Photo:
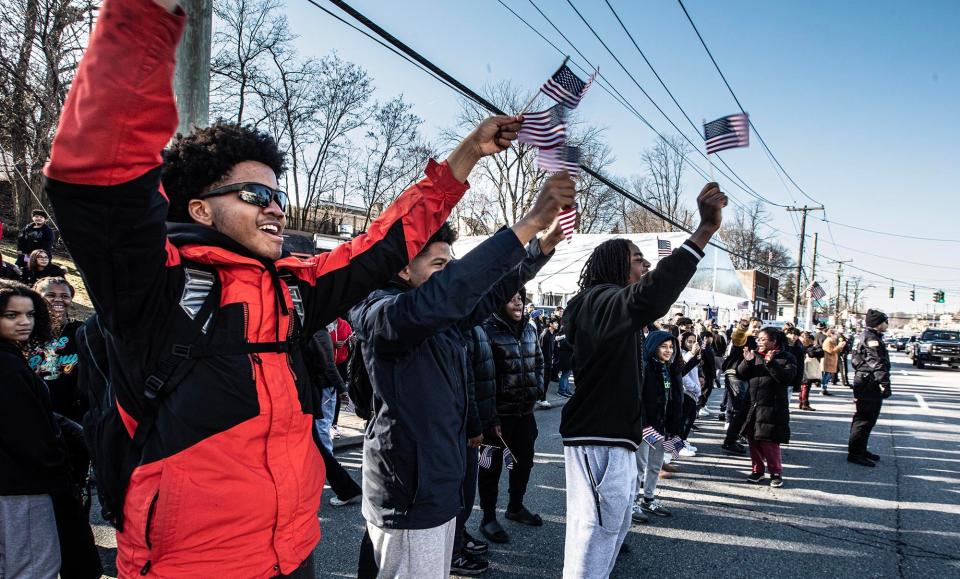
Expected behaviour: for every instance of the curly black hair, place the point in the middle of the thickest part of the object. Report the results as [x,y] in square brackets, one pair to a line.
[41,316]
[446,234]
[196,161]
[609,263]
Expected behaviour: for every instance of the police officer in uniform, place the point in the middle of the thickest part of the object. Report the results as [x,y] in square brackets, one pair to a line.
[871,384]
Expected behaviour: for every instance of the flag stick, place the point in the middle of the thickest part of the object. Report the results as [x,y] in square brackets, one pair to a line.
[536,94]
[710,161]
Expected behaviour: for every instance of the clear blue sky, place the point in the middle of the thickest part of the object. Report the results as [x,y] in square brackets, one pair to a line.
[858,100]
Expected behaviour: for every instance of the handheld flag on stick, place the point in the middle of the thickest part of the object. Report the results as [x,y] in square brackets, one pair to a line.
[727,133]
[562,158]
[508,460]
[545,128]
[664,248]
[651,436]
[568,222]
[673,446]
[565,87]
[485,460]
[816,291]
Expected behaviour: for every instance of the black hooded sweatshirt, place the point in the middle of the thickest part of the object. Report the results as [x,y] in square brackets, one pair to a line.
[604,325]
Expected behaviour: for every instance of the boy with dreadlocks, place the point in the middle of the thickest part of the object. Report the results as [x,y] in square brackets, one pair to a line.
[601,424]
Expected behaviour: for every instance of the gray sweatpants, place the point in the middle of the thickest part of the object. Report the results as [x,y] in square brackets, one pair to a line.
[651,460]
[420,553]
[601,486]
[29,546]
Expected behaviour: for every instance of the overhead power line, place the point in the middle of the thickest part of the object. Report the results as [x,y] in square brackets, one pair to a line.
[471,94]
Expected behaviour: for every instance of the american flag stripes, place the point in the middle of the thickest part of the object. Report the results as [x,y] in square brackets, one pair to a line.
[565,87]
[651,436]
[673,446]
[817,292]
[664,248]
[562,158]
[727,133]
[485,460]
[568,222]
[508,460]
[545,128]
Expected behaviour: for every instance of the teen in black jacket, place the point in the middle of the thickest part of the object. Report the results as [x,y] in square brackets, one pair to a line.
[600,424]
[33,464]
[519,384]
[769,372]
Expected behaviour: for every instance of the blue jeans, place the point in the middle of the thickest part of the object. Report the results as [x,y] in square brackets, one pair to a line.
[827,377]
[564,386]
[328,405]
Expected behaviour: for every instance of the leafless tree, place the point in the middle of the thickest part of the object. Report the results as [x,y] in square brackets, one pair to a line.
[665,163]
[742,235]
[40,46]
[392,157]
[247,31]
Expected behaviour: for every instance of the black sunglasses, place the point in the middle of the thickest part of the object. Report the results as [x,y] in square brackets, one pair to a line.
[253,193]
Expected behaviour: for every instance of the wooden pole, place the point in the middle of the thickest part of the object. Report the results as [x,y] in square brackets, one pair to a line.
[192,75]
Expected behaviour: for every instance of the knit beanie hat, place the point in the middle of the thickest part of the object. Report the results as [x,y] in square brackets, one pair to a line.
[875,318]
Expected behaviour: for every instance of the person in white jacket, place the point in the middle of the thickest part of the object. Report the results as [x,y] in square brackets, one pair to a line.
[692,385]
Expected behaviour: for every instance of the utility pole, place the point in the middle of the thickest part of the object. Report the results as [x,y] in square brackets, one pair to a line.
[813,280]
[191,79]
[803,237]
[836,312]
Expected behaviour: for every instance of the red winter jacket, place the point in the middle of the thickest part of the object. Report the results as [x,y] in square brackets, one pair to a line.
[340,334]
[230,482]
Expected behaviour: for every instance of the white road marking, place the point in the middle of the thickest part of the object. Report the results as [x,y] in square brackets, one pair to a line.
[921,402]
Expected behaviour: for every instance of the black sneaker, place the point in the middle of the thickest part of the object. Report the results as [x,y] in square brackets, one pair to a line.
[465,564]
[755,477]
[734,448]
[474,546]
[861,460]
[776,481]
[722,417]
[871,456]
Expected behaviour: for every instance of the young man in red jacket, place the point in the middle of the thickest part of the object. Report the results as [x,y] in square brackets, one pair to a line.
[229,480]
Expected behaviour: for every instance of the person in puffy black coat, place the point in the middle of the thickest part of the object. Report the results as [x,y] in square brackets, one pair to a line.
[662,410]
[519,384]
[768,373]
[871,385]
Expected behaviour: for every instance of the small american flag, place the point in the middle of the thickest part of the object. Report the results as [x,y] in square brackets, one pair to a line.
[485,460]
[565,87]
[673,446]
[508,460]
[727,133]
[663,247]
[816,291]
[651,436]
[544,129]
[568,221]
[562,158]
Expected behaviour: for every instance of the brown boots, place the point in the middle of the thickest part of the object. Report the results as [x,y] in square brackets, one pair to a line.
[805,397]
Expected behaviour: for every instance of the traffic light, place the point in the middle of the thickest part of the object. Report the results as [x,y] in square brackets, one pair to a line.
[936,297]
[941,298]
[891,292]
[913,295]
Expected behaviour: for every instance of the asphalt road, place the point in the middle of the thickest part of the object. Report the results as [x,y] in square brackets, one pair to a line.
[830,519]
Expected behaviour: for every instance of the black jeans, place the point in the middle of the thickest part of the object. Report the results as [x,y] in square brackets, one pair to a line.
[469,492]
[519,434]
[339,479]
[737,406]
[864,419]
[304,571]
[689,416]
[367,562]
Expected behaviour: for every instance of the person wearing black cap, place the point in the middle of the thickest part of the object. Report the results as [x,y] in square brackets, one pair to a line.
[871,384]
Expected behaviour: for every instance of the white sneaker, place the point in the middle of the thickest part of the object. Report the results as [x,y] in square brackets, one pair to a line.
[336,502]
[544,404]
[704,412]
[692,447]
[335,432]
[667,458]
[686,452]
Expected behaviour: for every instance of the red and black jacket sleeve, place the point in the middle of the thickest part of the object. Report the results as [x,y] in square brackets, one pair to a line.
[103,177]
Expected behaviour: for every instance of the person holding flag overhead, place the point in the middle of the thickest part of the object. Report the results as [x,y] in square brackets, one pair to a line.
[600,424]
[662,398]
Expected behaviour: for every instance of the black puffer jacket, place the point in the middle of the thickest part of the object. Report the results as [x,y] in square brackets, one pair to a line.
[484,375]
[769,417]
[518,362]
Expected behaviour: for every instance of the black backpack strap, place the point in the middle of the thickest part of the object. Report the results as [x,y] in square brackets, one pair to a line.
[188,331]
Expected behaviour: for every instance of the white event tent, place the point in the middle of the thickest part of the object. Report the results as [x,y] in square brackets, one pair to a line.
[714,292]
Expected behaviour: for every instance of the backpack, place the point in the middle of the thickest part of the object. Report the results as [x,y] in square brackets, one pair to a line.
[359,387]
[114,454]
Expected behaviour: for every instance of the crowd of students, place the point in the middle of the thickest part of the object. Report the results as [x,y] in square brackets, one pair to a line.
[216,361]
